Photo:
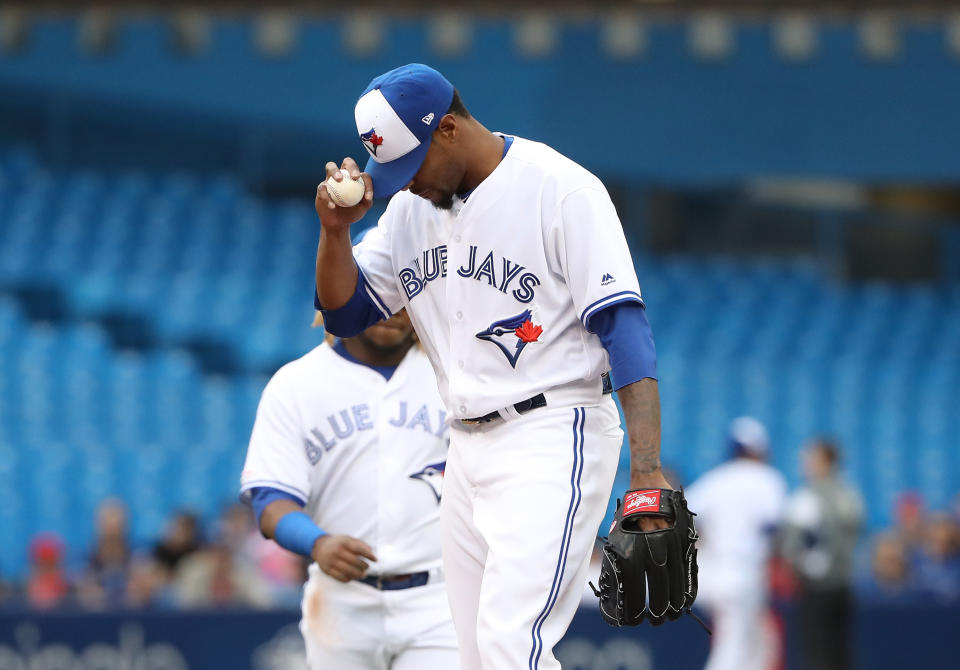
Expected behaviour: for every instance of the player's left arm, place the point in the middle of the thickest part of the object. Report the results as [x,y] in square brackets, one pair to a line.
[625,333]
[599,270]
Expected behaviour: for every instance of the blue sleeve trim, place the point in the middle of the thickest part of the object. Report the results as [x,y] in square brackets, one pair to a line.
[297,532]
[625,332]
[377,300]
[262,496]
[612,299]
[248,487]
[362,310]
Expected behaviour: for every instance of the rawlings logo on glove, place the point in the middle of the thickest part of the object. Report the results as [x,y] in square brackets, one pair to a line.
[649,574]
[641,501]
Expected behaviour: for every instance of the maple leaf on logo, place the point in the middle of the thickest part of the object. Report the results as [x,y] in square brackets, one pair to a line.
[376,140]
[528,332]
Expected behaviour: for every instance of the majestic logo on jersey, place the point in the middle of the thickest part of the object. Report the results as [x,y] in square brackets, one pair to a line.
[641,501]
[498,272]
[371,140]
[503,332]
[607,279]
[432,476]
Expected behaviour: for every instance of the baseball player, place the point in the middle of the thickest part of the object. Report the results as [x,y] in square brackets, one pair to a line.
[513,266]
[741,503]
[345,466]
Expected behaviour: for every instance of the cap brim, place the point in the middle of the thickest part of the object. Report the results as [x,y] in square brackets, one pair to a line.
[388,178]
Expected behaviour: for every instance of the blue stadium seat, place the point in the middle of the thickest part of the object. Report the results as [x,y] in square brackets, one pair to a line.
[197,260]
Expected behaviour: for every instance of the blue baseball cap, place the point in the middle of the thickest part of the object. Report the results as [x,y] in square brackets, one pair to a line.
[396,117]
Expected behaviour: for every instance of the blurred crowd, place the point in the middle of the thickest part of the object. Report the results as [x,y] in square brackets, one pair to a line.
[917,560]
[761,543]
[230,565]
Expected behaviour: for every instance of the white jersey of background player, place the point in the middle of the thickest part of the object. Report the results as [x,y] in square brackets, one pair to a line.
[354,436]
[740,506]
[513,266]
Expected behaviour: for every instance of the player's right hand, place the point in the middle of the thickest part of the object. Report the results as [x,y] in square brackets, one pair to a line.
[333,217]
[341,556]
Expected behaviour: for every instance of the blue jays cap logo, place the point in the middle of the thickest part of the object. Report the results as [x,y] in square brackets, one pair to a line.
[371,140]
[432,476]
[503,332]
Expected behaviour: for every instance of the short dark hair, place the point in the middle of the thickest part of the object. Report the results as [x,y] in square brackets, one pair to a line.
[457,107]
[829,448]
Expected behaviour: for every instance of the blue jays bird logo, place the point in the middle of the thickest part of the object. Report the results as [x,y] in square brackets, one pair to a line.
[371,140]
[501,333]
[432,476]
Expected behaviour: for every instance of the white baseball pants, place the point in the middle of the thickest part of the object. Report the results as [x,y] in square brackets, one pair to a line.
[522,501]
[354,626]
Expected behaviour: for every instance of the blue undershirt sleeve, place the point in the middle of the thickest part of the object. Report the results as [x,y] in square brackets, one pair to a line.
[295,531]
[262,496]
[359,313]
[625,333]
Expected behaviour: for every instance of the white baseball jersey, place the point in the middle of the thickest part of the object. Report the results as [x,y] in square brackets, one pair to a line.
[365,454]
[738,504]
[500,288]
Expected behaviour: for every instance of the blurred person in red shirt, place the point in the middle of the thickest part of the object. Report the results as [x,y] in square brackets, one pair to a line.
[909,517]
[47,585]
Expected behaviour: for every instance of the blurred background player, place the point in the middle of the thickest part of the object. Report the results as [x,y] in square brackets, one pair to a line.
[739,505]
[345,466]
[820,531]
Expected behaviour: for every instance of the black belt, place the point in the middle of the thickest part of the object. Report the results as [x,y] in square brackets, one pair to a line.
[533,403]
[397,582]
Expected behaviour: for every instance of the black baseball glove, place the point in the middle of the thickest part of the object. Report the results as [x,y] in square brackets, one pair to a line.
[652,574]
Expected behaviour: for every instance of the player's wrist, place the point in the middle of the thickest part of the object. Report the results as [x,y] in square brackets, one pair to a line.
[298,533]
[649,479]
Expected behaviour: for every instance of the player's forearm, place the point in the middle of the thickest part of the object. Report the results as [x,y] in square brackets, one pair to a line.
[336,269]
[641,411]
[272,514]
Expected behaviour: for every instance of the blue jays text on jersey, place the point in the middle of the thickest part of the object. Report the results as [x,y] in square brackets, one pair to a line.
[342,424]
[500,276]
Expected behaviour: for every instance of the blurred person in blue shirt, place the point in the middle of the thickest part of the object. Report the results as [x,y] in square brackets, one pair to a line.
[889,579]
[105,582]
[938,563]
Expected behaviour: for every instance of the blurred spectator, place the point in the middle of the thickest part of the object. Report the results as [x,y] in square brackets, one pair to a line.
[224,574]
[182,538]
[105,582]
[821,527]
[213,577]
[47,585]
[284,571]
[236,529]
[889,579]
[908,513]
[148,585]
[938,566]
[739,505]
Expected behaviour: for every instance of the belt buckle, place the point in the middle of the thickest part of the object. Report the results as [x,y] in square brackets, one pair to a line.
[470,422]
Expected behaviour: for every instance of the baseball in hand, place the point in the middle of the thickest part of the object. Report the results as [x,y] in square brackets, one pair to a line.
[346,193]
